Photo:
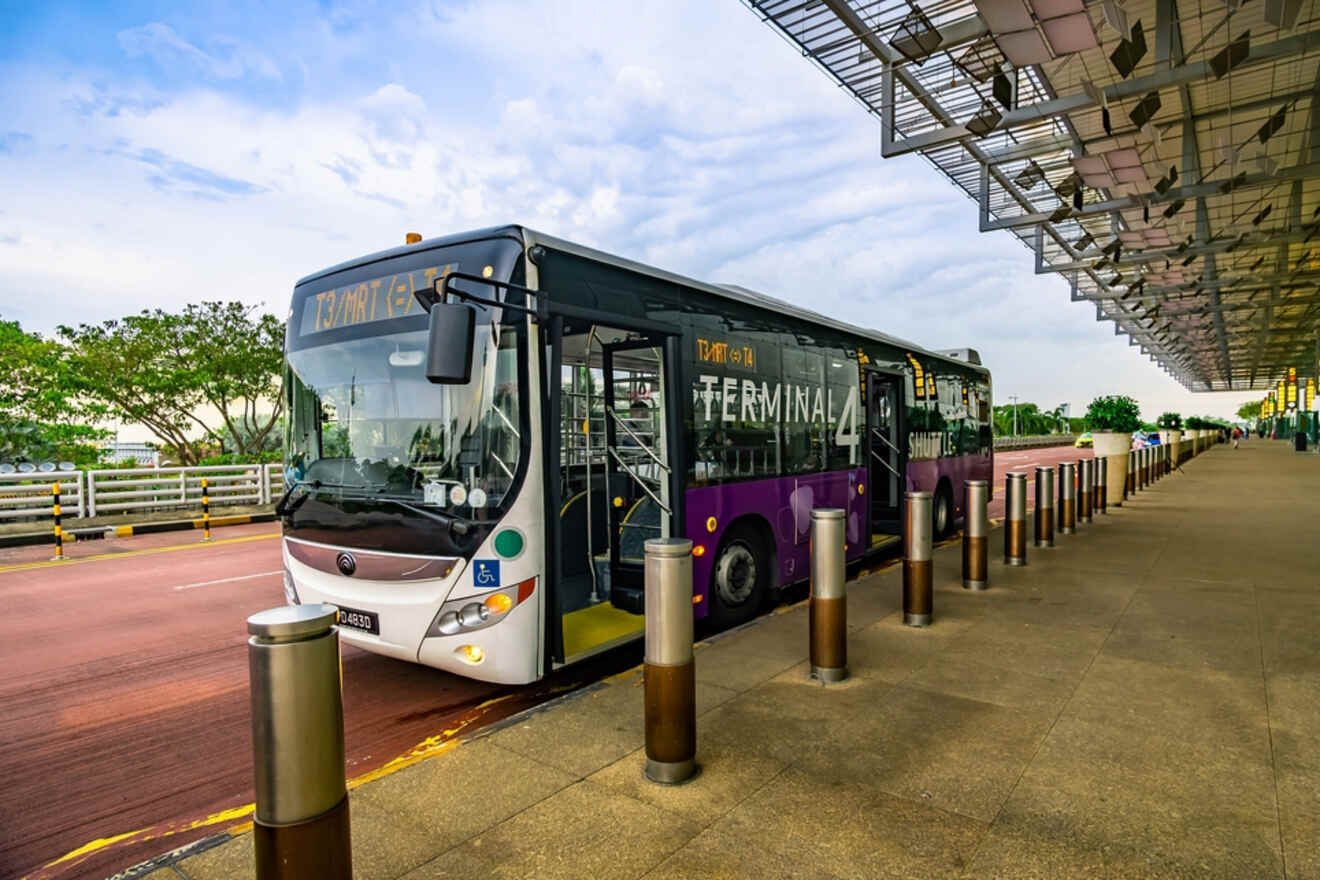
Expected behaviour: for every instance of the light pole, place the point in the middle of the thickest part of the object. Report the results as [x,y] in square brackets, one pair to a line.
[1014,398]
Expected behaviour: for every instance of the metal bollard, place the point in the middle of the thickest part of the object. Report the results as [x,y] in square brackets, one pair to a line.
[1044,506]
[55,513]
[1015,518]
[206,513]
[1130,484]
[1143,470]
[671,705]
[1084,490]
[1067,498]
[918,576]
[828,610]
[975,568]
[301,827]
[1095,486]
[1102,485]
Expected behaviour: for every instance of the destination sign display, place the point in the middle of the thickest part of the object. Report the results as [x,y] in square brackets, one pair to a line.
[376,299]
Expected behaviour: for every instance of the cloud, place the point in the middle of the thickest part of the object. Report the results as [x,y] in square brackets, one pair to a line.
[231,60]
[13,141]
[172,172]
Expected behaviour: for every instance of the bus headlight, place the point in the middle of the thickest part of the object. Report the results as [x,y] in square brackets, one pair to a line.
[473,615]
[478,612]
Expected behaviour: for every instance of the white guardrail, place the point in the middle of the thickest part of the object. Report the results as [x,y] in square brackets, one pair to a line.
[91,493]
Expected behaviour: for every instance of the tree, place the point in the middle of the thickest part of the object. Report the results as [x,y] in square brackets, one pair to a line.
[163,370]
[41,418]
[1249,412]
[1170,421]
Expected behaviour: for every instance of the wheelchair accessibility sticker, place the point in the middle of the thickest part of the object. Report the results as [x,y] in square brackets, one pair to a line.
[485,572]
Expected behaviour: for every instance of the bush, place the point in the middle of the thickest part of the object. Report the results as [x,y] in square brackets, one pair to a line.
[1114,413]
[1170,421]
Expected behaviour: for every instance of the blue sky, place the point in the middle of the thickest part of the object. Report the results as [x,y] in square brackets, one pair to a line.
[154,153]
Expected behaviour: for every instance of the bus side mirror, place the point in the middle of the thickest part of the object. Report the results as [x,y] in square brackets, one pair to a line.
[450,339]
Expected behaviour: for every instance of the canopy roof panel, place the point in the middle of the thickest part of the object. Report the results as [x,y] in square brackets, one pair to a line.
[1163,156]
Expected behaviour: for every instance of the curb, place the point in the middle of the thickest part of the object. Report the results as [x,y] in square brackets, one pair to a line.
[92,534]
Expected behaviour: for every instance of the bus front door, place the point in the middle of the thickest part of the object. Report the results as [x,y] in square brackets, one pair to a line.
[614,433]
[886,461]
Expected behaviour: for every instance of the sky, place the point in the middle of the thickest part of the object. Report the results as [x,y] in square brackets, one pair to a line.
[153,154]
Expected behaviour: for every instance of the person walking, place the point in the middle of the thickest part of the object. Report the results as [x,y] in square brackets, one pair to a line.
[1237,435]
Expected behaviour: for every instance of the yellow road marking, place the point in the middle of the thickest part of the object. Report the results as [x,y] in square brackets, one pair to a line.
[146,551]
[430,747]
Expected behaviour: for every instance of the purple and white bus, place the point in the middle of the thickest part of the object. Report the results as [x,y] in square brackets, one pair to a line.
[484,429]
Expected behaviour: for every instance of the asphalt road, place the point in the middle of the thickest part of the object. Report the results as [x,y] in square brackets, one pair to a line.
[124,724]
[124,703]
[1028,460]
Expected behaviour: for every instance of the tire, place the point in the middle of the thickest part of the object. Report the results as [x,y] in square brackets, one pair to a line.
[739,579]
[942,512]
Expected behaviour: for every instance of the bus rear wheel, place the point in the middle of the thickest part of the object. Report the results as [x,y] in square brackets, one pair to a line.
[739,579]
[943,512]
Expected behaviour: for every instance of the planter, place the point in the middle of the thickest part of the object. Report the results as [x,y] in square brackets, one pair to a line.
[1113,446]
[1173,439]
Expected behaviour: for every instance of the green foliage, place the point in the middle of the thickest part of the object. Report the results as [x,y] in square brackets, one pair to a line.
[41,418]
[1170,421]
[1031,420]
[1149,427]
[1114,412]
[169,371]
[1249,411]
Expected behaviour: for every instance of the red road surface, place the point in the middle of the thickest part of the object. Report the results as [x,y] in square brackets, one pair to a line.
[124,699]
[1028,460]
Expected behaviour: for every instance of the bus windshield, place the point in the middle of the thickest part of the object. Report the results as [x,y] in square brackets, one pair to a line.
[365,426]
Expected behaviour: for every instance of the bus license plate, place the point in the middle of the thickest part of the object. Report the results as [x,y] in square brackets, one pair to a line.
[363,620]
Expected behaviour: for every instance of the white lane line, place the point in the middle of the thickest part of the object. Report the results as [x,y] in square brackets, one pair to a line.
[242,577]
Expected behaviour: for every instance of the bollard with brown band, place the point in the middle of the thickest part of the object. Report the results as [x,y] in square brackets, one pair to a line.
[1130,485]
[671,706]
[1102,484]
[1015,518]
[828,611]
[1145,466]
[1095,485]
[1084,490]
[918,574]
[300,827]
[975,570]
[1044,506]
[1067,498]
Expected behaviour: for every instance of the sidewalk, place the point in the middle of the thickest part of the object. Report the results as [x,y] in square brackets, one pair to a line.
[1140,701]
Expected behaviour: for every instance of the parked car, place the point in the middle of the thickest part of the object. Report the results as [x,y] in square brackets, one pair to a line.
[1084,441]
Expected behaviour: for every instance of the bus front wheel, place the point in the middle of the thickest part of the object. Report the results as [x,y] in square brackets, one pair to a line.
[739,578]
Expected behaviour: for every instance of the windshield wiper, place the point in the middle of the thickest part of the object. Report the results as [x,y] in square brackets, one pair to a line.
[281,510]
[455,524]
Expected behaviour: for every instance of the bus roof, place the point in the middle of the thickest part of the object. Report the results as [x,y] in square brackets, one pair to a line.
[728,291]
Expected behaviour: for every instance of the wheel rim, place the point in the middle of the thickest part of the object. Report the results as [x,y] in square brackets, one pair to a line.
[735,574]
[941,514]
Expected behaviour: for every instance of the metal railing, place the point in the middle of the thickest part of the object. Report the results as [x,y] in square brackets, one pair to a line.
[1035,441]
[90,493]
[27,496]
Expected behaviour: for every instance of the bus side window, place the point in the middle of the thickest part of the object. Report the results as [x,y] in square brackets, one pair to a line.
[803,410]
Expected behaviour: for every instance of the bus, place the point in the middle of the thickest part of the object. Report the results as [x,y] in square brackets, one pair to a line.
[484,429]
